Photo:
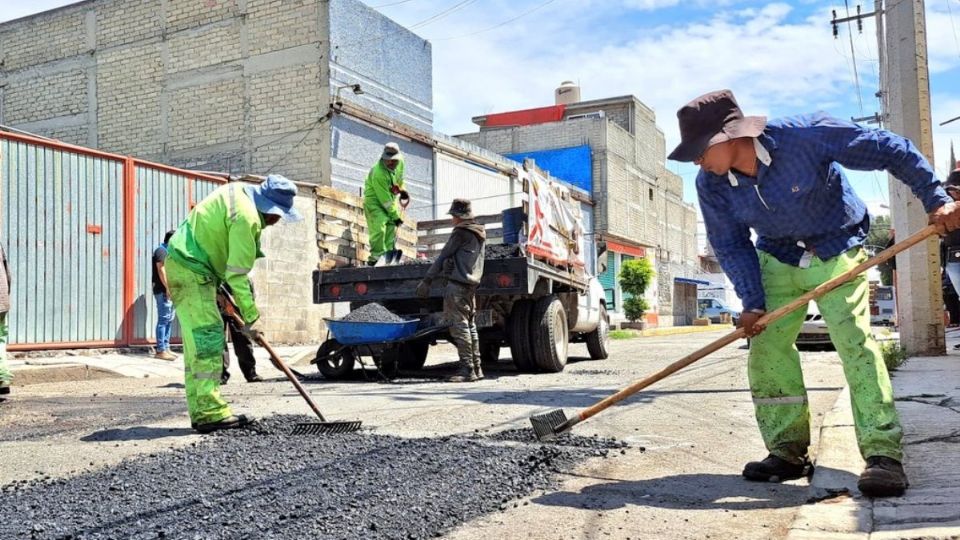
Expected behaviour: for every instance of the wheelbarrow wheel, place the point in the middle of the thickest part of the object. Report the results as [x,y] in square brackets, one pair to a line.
[335,361]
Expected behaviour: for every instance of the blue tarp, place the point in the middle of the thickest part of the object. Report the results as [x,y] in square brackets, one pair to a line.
[573,165]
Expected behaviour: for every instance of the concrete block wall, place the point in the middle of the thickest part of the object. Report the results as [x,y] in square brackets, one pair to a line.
[283,279]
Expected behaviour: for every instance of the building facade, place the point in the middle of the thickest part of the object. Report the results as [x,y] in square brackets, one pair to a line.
[226,85]
[613,149]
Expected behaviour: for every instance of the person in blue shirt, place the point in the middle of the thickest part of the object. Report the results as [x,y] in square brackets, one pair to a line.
[783,179]
[161,294]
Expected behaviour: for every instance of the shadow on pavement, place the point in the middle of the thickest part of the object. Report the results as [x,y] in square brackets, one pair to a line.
[684,492]
[136,433]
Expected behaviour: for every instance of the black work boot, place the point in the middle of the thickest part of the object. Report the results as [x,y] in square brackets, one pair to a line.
[4,388]
[883,477]
[464,374]
[775,469]
[230,422]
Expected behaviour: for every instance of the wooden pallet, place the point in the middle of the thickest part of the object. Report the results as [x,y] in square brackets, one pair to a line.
[434,234]
[342,230]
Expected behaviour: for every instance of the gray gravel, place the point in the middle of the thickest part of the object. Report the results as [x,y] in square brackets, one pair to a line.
[261,483]
[372,312]
[491,251]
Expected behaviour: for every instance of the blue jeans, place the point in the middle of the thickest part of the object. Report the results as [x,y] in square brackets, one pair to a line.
[164,321]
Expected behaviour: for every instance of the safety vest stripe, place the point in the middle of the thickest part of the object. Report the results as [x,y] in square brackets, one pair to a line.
[238,270]
[208,376]
[786,400]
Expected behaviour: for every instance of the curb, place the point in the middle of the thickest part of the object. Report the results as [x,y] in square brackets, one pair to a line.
[843,513]
[30,375]
[679,330]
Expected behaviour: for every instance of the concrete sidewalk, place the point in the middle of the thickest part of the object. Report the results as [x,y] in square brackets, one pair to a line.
[927,391]
[84,365]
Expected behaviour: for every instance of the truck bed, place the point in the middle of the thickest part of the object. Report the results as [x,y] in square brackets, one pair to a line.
[501,276]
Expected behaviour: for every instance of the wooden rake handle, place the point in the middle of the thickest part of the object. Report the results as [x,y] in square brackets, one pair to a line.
[923,234]
[231,310]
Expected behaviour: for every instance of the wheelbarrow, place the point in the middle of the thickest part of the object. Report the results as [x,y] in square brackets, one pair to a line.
[393,346]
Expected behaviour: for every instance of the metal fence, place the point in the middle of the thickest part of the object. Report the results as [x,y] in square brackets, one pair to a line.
[79,227]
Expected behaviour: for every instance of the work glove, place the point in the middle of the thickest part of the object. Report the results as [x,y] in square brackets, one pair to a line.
[254,330]
[423,289]
[398,222]
[404,195]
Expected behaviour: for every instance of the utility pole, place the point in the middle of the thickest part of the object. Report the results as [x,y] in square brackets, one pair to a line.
[905,94]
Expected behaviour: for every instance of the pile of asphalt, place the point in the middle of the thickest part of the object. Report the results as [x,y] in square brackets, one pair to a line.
[372,312]
[490,251]
[264,483]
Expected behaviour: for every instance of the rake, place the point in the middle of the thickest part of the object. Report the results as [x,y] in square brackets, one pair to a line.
[548,425]
[323,427]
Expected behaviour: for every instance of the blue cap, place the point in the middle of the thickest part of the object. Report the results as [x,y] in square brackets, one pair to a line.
[275,196]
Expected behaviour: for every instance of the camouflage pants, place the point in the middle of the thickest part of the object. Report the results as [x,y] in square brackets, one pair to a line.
[459,309]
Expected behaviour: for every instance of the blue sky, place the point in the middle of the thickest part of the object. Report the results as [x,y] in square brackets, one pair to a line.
[779,58]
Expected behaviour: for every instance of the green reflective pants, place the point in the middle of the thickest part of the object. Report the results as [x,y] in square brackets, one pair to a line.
[5,375]
[382,233]
[776,381]
[195,297]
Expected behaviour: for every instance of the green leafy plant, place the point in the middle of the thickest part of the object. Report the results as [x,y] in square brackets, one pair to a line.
[635,276]
[624,334]
[893,354]
[635,307]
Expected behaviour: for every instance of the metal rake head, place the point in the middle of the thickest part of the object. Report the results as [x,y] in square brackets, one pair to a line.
[548,425]
[326,428]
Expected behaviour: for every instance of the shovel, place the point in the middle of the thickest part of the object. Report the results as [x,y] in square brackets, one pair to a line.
[323,427]
[550,424]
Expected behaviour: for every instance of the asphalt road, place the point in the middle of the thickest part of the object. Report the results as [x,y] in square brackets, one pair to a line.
[689,435]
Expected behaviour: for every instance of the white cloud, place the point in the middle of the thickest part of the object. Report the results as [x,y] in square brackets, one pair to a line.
[649,4]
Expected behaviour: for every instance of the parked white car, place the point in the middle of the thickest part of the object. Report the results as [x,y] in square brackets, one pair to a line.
[814,332]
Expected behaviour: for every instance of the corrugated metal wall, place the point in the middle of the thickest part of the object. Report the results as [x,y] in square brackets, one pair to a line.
[62,229]
[66,213]
[491,192]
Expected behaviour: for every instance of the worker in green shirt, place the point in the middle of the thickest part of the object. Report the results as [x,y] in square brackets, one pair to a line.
[384,182]
[218,243]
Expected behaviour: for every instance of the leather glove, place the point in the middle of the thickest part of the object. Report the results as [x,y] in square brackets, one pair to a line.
[398,222]
[404,195]
[254,330]
[423,289]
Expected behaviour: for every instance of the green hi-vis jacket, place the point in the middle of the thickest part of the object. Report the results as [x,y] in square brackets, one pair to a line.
[377,196]
[221,238]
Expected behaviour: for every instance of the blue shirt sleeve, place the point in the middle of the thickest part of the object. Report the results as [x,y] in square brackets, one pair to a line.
[863,149]
[731,242]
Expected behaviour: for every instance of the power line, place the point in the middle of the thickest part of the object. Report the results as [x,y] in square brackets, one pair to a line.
[294,147]
[424,22]
[498,25]
[956,40]
[389,4]
[853,54]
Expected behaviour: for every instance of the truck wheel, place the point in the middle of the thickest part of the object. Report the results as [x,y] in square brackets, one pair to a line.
[413,355]
[520,336]
[489,352]
[598,341]
[406,356]
[551,337]
[334,361]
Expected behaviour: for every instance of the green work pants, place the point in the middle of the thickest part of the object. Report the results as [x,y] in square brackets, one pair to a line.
[382,233]
[195,297]
[776,381]
[5,375]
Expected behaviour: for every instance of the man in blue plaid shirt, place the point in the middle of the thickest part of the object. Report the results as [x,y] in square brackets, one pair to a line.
[782,178]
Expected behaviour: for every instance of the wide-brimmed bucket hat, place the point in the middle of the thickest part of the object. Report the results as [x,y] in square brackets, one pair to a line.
[711,119]
[275,195]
